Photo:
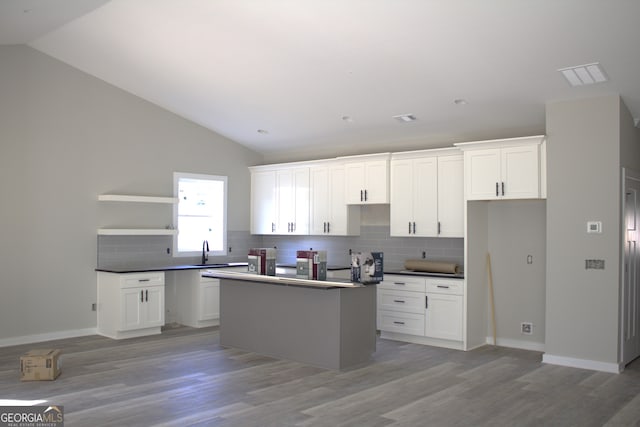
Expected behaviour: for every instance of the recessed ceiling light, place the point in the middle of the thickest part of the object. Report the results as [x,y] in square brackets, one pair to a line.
[460,101]
[405,118]
[584,74]
[347,119]
[262,131]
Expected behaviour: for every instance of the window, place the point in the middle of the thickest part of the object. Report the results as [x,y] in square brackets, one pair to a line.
[200,214]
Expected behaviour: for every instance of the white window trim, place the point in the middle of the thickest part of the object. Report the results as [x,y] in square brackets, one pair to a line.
[176,179]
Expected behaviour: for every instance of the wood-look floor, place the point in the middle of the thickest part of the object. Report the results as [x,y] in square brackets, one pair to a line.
[183,377]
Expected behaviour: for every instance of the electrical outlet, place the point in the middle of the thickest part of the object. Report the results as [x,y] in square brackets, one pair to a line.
[526,328]
[94,306]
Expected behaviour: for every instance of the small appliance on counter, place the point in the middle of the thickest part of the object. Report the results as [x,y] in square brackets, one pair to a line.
[311,265]
[367,267]
[262,261]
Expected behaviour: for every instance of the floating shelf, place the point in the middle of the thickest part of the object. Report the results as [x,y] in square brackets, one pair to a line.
[137,199]
[136,231]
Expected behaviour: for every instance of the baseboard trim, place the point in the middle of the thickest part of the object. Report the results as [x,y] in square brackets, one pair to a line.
[523,345]
[30,339]
[573,362]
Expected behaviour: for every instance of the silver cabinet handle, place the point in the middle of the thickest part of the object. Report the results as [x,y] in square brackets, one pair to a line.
[409,227]
[398,323]
[443,286]
[399,283]
[328,227]
[426,301]
[147,295]
[503,188]
[361,196]
[497,194]
[143,280]
[398,300]
[438,227]
[414,228]
[273,227]
[365,195]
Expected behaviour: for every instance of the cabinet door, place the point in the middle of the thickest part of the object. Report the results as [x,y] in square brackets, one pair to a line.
[425,196]
[402,193]
[520,169]
[319,199]
[376,181]
[354,183]
[153,307]
[451,196]
[482,173]
[443,316]
[344,220]
[131,316]
[263,202]
[301,201]
[292,209]
[209,300]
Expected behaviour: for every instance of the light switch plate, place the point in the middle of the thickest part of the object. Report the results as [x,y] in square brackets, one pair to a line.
[594,226]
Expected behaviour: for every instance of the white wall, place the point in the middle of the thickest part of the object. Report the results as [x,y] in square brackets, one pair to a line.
[66,137]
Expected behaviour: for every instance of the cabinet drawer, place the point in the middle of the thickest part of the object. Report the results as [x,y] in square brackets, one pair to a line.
[135,280]
[404,301]
[405,323]
[405,283]
[445,286]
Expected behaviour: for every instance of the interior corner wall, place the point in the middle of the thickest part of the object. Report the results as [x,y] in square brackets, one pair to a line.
[583,174]
[65,138]
[629,140]
[517,244]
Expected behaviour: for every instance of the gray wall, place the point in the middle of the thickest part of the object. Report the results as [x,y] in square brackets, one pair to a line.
[517,230]
[65,138]
[583,173]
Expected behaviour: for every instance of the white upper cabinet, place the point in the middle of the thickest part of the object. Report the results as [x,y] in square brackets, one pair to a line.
[367,179]
[263,202]
[427,193]
[292,189]
[504,169]
[280,200]
[330,215]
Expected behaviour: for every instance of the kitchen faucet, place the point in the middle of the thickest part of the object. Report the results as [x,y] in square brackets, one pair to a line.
[205,251]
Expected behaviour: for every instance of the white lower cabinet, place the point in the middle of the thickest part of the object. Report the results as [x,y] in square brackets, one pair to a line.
[197,300]
[422,310]
[130,304]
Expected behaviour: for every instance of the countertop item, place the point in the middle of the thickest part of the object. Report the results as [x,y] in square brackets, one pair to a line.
[284,280]
[428,266]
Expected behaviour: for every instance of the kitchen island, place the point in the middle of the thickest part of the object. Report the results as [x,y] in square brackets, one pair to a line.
[329,324]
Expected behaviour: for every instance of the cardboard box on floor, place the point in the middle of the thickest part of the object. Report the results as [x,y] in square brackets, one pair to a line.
[40,365]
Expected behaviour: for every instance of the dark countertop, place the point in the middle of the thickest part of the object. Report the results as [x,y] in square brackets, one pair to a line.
[425,274]
[244,264]
[171,267]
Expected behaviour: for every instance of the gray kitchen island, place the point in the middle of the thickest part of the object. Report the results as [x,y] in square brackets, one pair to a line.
[321,323]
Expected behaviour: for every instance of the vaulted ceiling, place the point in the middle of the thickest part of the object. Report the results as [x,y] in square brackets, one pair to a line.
[289,77]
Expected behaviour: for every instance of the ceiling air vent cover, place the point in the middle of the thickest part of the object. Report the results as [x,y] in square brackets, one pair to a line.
[587,74]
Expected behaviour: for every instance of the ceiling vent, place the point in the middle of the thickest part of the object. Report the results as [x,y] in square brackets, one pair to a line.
[587,74]
[405,118]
